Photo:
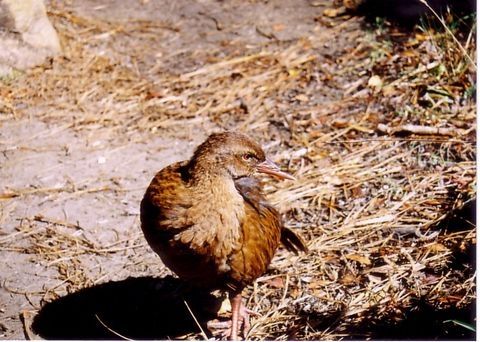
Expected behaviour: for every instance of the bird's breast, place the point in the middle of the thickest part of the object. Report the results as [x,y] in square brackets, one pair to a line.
[215,233]
[212,234]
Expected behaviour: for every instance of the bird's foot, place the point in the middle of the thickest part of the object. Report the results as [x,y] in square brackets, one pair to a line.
[224,328]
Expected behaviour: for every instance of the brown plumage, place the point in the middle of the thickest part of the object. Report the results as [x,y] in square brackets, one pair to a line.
[209,221]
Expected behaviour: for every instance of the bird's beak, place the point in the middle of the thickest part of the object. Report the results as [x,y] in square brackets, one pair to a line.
[270,168]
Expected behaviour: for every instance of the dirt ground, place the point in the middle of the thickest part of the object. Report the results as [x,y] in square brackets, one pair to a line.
[108,171]
[71,185]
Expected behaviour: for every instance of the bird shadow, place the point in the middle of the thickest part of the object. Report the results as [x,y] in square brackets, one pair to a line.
[134,308]
[154,308]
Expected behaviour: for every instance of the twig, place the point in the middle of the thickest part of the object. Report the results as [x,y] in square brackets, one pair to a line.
[416,129]
[374,220]
[218,25]
[205,337]
[472,62]
[213,67]
[419,70]
[265,34]
[43,219]
[20,234]
[353,141]
[23,192]
[111,330]
[25,318]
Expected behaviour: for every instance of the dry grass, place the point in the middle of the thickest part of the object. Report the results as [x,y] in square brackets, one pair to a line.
[372,205]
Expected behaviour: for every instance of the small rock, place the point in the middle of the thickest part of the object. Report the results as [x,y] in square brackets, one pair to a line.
[27,37]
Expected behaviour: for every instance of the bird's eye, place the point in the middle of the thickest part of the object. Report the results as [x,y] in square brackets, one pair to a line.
[248,157]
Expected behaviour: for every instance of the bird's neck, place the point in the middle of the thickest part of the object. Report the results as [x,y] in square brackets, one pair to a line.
[215,182]
[205,172]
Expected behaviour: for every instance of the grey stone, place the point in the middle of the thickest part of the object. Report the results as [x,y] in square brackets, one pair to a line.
[27,37]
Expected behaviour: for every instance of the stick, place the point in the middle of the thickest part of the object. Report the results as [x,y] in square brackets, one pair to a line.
[196,321]
[111,330]
[25,318]
[416,129]
[472,62]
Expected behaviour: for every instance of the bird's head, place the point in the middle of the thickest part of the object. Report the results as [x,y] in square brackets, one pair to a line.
[235,155]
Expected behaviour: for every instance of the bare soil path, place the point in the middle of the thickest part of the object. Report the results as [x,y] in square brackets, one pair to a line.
[94,179]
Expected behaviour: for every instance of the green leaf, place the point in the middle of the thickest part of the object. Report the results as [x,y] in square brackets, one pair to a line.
[462,324]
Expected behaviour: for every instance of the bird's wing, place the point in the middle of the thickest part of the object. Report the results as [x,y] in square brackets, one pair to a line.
[260,237]
[166,200]
[251,190]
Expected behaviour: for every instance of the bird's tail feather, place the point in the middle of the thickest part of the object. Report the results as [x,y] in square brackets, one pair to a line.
[292,241]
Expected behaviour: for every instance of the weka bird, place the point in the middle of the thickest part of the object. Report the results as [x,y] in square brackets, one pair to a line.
[209,221]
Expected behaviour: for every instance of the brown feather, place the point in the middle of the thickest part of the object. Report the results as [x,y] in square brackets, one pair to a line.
[293,242]
[209,221]
[251,190]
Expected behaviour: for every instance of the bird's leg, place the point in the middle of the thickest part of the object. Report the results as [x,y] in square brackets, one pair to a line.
[240,318]
[240,314]
[236,302]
